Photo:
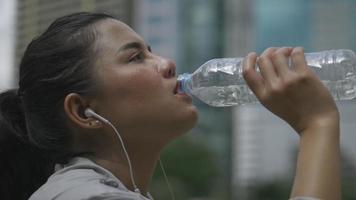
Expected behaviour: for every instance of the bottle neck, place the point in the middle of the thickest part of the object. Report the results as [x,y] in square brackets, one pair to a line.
[185,85]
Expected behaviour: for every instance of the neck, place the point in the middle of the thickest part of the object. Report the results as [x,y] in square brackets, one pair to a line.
[143,161]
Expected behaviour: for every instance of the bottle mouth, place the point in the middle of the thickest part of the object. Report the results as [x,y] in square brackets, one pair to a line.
[182,83]
[179,88]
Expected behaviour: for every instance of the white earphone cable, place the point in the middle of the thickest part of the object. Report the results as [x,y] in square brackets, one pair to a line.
[167,181]
[127,157]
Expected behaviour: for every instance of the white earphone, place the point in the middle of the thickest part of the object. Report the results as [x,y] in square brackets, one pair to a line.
[90,113]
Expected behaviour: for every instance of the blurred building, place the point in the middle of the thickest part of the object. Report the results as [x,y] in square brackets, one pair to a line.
[157,22]
[333,24]
[34,16]
[7,32]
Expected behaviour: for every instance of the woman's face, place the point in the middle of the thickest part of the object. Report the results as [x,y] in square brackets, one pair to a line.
[138,89]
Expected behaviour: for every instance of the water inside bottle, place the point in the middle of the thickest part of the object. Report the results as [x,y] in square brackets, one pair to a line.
[225,96]
[337,70]
[221,84]
[342,89]
[240,94]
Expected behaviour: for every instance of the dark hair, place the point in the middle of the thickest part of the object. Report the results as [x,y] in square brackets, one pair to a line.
[33,131]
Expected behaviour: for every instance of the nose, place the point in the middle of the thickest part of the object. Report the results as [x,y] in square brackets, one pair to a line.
[167,68]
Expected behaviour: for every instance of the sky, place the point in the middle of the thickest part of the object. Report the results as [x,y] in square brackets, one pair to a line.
[7,35]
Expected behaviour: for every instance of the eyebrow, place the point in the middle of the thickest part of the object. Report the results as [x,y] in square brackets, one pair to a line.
[133,45]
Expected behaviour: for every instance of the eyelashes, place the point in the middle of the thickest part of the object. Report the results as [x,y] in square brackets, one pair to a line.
[139,57]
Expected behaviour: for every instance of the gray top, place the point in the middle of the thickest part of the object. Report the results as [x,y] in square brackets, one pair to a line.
[82,179]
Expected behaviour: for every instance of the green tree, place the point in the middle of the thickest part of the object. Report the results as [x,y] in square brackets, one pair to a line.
[190,167]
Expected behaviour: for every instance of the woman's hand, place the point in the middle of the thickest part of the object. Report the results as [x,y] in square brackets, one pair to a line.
[293,93]
[297,96]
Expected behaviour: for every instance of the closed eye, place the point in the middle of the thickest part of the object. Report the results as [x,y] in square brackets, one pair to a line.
[139,57]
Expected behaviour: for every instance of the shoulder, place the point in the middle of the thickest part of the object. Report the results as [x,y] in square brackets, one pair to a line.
[83,180]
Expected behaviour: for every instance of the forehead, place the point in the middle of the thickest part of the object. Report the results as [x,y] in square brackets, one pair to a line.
[112,31]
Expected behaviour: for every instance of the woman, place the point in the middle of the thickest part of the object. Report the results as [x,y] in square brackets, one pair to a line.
[86,64]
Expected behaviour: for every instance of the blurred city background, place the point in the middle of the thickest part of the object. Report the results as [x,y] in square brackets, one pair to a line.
[233,153]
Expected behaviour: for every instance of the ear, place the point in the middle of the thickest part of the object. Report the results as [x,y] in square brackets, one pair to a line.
[74,107]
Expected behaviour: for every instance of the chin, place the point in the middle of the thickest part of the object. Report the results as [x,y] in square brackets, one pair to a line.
[194,119]
[186,122]
[178,127]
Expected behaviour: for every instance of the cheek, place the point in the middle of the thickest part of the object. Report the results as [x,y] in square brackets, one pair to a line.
[139,86]
[133,95]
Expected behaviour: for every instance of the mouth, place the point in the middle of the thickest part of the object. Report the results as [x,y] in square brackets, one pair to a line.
[180,94]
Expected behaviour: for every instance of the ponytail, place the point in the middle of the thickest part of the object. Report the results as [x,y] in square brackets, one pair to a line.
[23,168]
[34,133]
[11,113]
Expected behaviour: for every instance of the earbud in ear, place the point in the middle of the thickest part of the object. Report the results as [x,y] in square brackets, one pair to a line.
[95,123]
[90,113]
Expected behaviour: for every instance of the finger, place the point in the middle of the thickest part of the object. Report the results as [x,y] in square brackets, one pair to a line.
[266,67]
[251,76]
[298,59]
[280,61]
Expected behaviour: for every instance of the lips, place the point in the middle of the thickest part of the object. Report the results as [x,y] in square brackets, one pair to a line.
[175,90]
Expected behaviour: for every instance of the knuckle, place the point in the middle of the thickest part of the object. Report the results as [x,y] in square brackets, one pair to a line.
[271,49]
[286,49]
[264,97]
[262,59]
[305,78]
[247,72]
[297,51]
[268,51]
[290,83]
[300,78]
[275,56]
[276,88]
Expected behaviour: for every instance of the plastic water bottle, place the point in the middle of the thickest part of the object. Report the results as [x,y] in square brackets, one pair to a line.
[219,82]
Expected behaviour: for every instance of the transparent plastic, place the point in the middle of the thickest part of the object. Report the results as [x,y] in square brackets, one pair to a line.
[219,82]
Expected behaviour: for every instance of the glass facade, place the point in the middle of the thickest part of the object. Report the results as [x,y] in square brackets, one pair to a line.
[282,23]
